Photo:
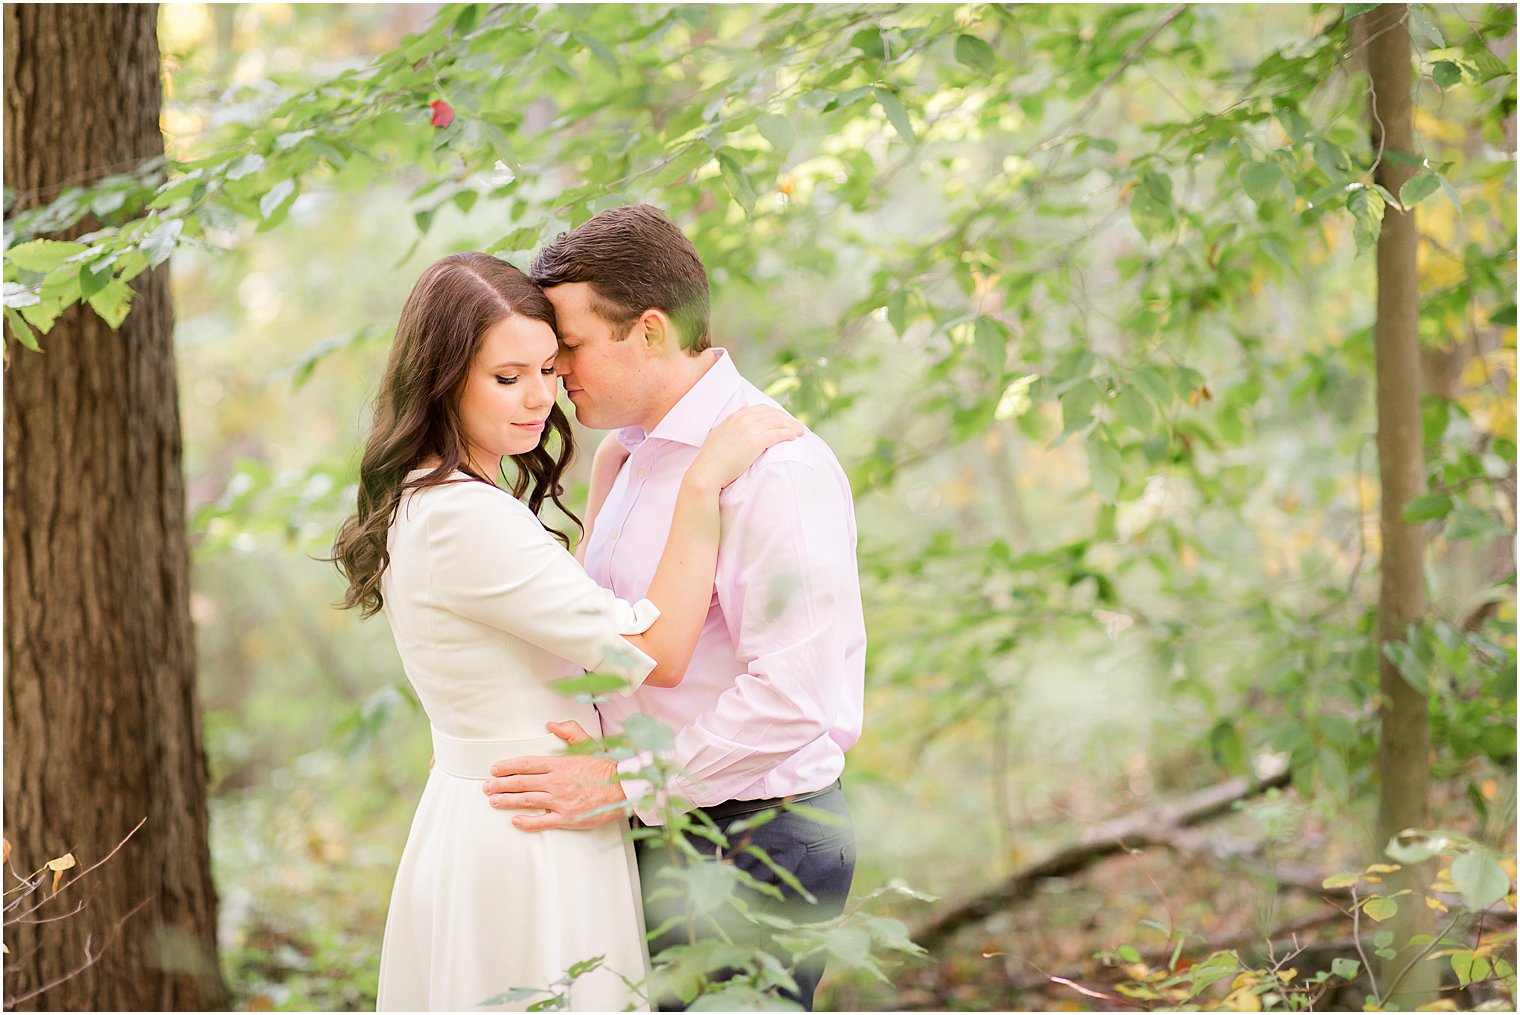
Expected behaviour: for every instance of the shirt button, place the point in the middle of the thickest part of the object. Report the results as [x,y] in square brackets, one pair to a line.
[613,534]
[642,473]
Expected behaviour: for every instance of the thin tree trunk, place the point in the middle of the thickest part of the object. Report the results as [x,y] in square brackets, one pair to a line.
[1404,746]
[101,725]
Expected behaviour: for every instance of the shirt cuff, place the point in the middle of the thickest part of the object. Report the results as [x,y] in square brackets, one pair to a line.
[622,659]
[639,791]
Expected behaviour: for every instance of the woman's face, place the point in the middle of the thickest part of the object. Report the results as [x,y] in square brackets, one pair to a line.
[508,392]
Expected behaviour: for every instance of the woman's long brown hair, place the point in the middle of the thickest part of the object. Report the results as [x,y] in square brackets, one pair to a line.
[452,306]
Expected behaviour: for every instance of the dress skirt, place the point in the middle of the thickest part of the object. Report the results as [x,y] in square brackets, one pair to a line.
[480,907]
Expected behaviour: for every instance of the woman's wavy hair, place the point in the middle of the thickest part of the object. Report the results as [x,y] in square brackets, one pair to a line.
[455,302]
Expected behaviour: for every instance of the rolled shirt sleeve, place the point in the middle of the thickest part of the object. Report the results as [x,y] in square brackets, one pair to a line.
[498,566]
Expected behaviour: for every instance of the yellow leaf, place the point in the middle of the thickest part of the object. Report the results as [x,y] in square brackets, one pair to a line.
[1436,904]
[62,863]
[6,858]
[1242,1000]
[1286,974]
[1372,879]
[1445,1004]
[57,877]
[1243,981]
[1384,868]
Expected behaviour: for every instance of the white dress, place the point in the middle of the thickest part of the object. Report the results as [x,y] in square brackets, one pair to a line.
[487,610]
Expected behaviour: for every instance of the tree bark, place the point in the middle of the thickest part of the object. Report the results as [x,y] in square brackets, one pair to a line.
[1404,744]
[101,725]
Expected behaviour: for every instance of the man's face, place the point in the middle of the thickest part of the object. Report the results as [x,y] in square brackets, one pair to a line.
[603,373]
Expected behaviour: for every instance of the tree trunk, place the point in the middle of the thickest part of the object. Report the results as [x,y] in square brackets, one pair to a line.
[101,725]
[1404,746]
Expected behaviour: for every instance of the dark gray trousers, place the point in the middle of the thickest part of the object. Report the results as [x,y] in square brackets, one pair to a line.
[821,856]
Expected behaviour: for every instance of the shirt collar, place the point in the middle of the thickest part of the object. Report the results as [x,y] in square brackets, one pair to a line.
[690,419]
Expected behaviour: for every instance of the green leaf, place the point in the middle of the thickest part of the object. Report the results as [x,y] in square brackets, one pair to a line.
[897,116]
[43,255]
[777,131]
[1380,907]
[1150,205]
[1469,967]
[1451,193]
[112,302]
[93,278]
[1346,968]
[737,183]
[598,48]
[1332,160]
[1104,462]
[648,734]
[869,42]
[1426,507]
[1446,73]
[591,683]
[160,243]
[1423,29]
[42,315]
[1077,405]
[1480,878]
[1134,408]
[245,165]
[1264,180]
[1418,188]
[19,328]
[1341,880]
[975,53]
[897,311]
[1366,207]
[1129,953]
[278,198]
[992,344]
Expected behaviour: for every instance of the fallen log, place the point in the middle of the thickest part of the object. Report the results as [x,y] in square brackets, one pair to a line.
[1119,835]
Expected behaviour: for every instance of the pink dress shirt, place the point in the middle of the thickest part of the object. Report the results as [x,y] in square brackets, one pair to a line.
[775,690]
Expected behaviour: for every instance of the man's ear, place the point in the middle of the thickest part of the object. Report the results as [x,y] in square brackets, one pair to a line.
[658,331]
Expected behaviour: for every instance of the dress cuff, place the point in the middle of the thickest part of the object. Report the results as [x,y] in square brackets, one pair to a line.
[622,659]
[635,619]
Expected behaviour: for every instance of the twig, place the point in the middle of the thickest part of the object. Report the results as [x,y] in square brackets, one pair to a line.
[1104,840]
[80,876]
[1456,918]
[90,958]
[1356,939]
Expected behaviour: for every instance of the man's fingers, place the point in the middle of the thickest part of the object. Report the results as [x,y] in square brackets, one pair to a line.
[531,765]
[522,801]
[540,822]
[513,784]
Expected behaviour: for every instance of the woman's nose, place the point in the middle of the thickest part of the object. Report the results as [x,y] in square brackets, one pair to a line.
[545,391]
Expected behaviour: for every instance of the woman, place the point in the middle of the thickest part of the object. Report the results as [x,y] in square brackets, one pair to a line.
[488,610]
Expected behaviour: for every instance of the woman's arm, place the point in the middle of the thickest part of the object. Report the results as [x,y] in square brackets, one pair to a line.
[683,582]
[606,462]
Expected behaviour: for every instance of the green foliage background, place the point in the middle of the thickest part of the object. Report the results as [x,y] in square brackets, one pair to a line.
[1080,296]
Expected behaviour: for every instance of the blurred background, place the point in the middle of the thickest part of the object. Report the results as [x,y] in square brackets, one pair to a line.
[1105,396]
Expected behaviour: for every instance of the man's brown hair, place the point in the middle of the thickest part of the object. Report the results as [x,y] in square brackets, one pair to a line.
[634,259]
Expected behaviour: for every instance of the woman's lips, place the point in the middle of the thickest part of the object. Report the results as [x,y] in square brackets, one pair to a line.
[536,427]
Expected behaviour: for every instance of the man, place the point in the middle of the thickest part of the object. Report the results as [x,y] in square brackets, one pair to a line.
[773,695]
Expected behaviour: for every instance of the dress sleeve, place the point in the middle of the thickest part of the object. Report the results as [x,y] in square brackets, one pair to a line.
[495,564]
